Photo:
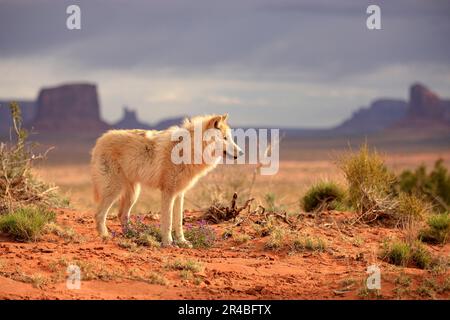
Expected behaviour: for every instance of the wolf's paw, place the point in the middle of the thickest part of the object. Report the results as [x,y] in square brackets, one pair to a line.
[105,237]
[167,244]
[103,233]
[183,244]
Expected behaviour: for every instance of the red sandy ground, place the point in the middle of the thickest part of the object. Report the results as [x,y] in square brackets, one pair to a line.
[232,271]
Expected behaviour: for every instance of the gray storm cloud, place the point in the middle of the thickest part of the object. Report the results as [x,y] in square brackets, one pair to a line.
[310,62]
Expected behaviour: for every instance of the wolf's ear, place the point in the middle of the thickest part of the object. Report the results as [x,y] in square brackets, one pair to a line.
[214,122]
[224,117]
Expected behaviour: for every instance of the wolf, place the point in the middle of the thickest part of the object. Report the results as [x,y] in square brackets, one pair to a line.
[124,160]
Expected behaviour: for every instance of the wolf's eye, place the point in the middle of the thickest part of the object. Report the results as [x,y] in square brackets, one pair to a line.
[225,138]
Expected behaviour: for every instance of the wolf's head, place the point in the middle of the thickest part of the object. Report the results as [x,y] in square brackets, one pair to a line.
[224,137]
[215,135]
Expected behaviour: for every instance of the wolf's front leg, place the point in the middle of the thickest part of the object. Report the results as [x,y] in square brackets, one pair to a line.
[167,200]
[178,222]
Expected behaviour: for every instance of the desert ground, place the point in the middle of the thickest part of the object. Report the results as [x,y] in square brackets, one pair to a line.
[237,266]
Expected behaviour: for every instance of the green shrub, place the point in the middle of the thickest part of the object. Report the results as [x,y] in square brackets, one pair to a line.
[438,229]
[397,253]
[434,186]
[323,196]
[420,256]
[369,182]
[26,223]
[403,254]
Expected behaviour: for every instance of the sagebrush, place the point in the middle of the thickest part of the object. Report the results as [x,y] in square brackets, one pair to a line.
[369,182]
[18,187]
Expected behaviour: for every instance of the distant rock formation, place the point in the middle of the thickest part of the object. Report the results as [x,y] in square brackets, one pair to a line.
[425,104]
[74,109]
[426,110]
[27,107]
[378,116]
[130,121]
[69,108]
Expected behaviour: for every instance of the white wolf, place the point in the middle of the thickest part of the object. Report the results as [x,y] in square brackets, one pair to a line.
[123,160]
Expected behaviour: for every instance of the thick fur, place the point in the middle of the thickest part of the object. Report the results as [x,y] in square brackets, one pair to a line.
[123,160]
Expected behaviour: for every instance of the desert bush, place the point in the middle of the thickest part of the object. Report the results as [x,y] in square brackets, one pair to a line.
[410,208]
[433,186]
[18,187]
[201,235]
[369,182]
[437,230]
[397,253]
[324,195]
[420,256]
[26,223]
[372,190]
[401,253]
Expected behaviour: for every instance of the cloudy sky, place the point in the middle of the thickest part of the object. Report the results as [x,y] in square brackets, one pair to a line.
[279,63]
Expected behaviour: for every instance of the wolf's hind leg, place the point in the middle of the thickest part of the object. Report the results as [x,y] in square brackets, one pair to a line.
[107,198]
[127,201]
